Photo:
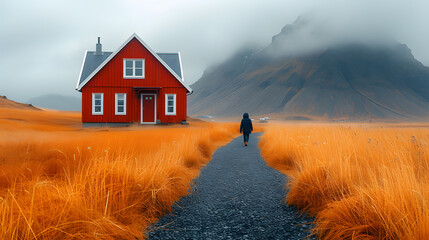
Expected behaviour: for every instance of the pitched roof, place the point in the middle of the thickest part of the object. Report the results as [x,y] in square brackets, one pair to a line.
[90,63]
[173,61]
[93,63]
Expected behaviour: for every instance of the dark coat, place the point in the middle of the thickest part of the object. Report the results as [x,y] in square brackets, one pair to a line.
[246,124]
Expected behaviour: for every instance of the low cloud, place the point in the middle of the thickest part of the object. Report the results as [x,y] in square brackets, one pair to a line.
[42,43]
[365,22]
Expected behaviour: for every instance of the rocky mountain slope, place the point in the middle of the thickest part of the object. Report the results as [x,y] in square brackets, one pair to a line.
[352,81]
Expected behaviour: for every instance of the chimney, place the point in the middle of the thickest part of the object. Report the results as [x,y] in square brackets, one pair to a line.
[98,48]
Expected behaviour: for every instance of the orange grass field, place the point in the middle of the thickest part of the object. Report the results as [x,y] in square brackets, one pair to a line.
[61,181]
[360,181]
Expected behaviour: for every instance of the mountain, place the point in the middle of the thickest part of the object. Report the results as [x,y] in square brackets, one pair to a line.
[6,103]
[350,80]
[57,102]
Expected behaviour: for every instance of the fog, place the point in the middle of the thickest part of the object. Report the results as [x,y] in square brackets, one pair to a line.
[42,43]
[379,23]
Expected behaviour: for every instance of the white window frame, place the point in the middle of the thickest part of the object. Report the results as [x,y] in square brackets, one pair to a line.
[116,104]
[134,68]
[174,105]
[93,104]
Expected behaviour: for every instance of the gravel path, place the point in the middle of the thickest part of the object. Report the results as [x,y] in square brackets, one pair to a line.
[236,197]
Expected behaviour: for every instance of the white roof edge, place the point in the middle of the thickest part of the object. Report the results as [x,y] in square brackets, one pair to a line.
[134,35]
[162,62]
[181,68]
[81,69]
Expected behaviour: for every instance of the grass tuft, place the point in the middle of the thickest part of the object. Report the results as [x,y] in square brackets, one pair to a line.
[60,181]
[360,181]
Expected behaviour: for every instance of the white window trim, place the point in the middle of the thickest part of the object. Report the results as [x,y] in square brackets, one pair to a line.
[93,104]
[134,68]
[166,104]
[116,104]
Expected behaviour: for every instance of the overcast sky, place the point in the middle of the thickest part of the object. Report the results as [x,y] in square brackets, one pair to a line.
[42,42]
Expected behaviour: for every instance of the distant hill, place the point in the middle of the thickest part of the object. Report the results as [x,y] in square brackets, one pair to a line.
[6,103]
[57,102]
[351,81]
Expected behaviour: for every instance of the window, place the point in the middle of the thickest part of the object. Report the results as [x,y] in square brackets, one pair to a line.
[97,104]
[120,104]
[170,104]
[133,68]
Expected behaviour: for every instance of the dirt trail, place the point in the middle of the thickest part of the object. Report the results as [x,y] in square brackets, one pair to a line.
[237,196]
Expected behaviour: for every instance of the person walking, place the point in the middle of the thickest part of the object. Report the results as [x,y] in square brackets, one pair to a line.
[246,127]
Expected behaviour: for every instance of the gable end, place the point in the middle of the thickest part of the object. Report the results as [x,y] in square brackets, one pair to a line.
[82,81]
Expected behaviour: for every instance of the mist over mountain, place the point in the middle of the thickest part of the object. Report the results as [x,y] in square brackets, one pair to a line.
[57,102]
[314,70]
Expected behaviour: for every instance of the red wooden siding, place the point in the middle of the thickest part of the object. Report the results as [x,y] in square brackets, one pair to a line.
[109,81]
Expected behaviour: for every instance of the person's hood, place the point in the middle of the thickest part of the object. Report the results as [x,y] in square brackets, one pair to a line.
[245,115]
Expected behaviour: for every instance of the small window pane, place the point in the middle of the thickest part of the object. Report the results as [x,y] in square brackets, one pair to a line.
[97,102]
[120,109]
[139,64]
[170,109]
[170,103]
[120,96]
[129,64]
[139,72]
[97,108]
[97,96]
[170,97]
[129,72]
[121,102]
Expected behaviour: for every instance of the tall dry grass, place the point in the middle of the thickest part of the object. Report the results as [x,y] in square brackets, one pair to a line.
[365,181]
[59,181]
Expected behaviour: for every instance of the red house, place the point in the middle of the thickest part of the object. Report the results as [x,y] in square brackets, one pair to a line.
[132,85]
